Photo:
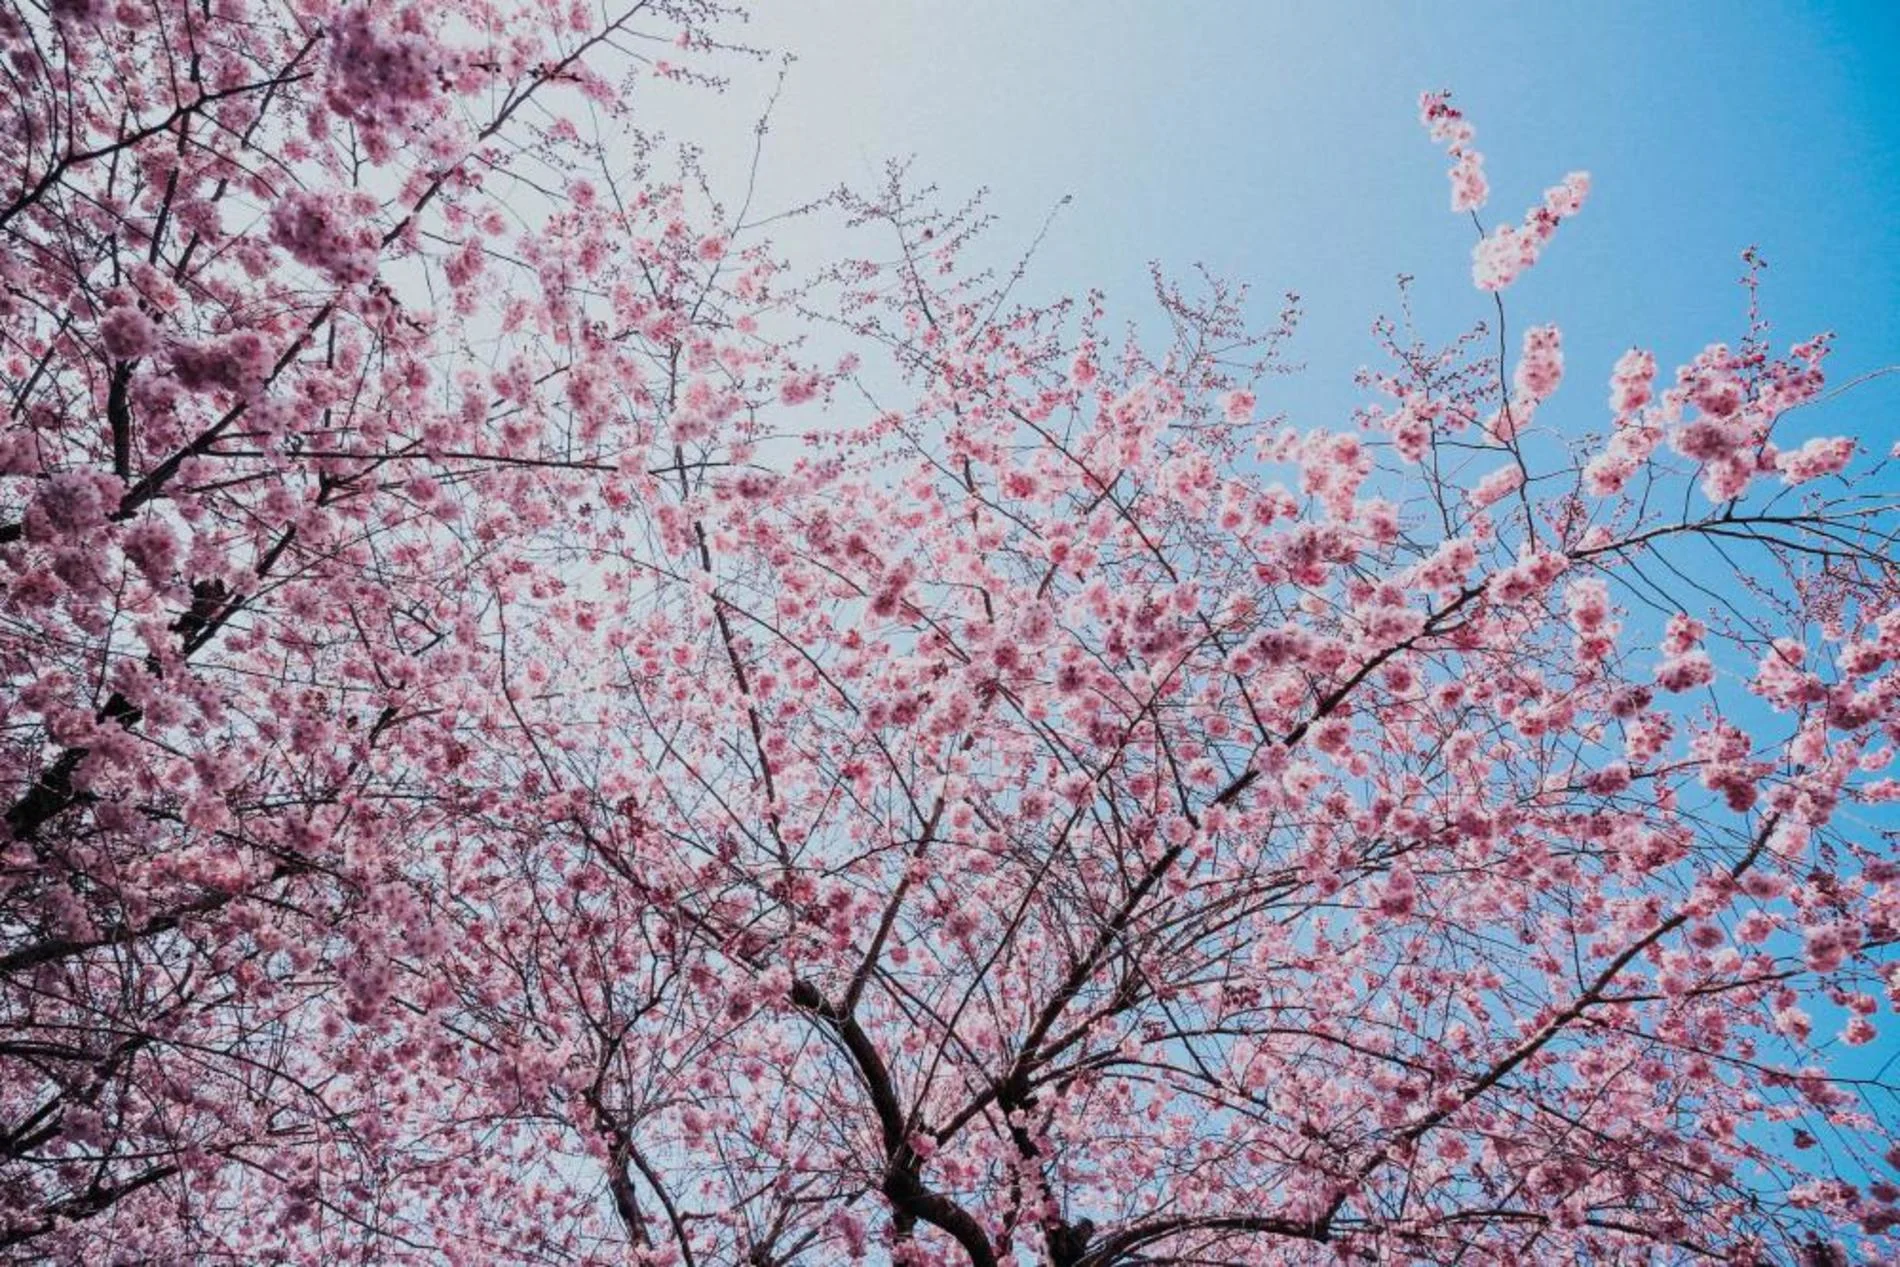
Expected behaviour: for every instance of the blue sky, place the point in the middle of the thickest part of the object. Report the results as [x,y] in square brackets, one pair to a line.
[1277,143]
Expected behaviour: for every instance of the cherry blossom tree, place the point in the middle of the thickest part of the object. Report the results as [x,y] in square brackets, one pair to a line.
[536,731]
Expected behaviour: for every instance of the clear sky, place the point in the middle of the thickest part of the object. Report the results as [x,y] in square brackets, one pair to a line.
[1277,143]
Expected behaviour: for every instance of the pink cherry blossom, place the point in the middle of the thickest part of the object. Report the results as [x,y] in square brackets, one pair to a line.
[1449,127]
[1816,458]
[546,725]
[1541,366]
[1500,258]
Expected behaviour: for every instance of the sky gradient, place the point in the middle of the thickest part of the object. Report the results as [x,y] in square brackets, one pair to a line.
[1277,143]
